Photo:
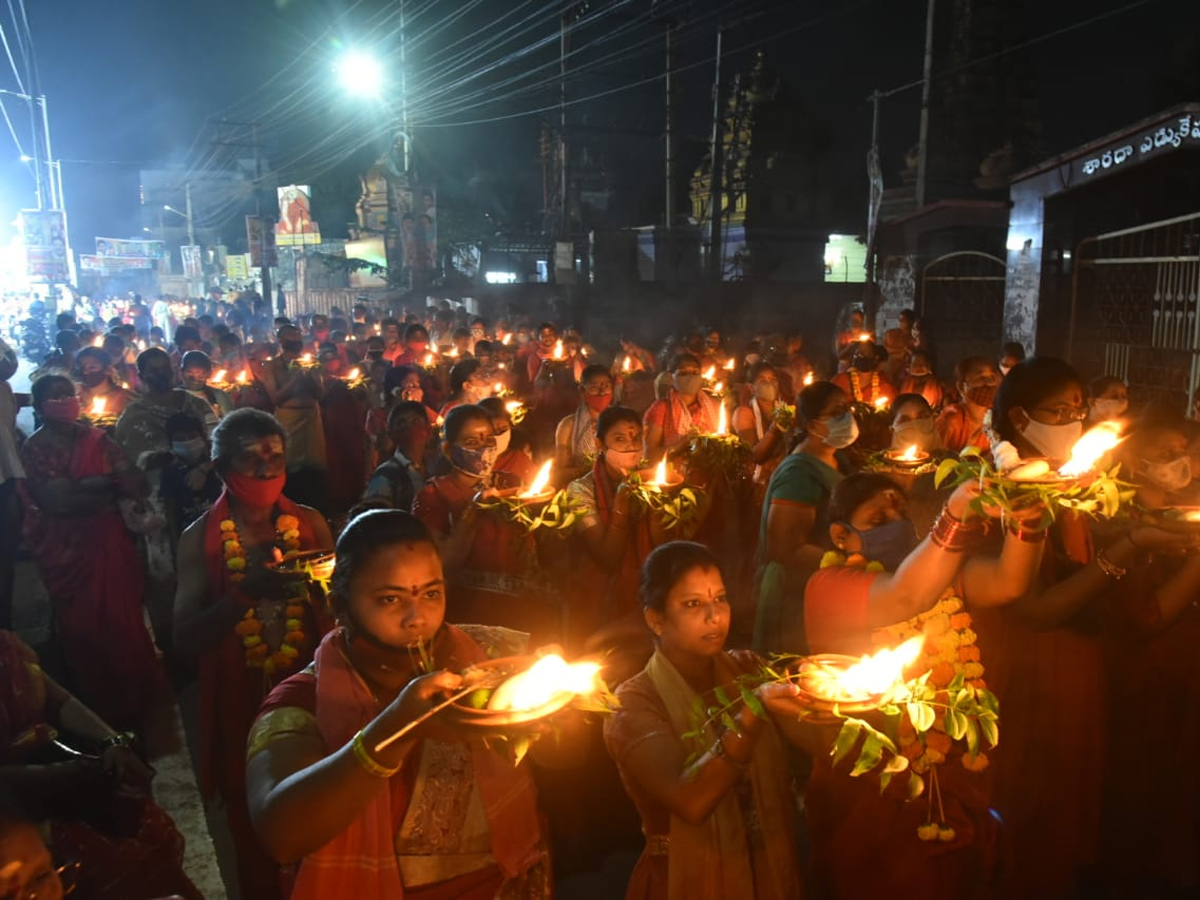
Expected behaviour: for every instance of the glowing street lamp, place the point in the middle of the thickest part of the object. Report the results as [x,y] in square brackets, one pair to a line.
[360,73]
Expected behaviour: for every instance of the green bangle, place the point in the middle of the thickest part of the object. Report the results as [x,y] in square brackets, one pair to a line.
[364,760]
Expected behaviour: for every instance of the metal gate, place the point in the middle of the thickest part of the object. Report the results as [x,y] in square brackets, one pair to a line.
[962,295]
[1135,309]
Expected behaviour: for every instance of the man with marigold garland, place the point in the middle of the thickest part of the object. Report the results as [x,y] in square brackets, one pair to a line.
[247,624]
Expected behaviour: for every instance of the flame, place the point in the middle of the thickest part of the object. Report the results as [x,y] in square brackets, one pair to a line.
[540,481]
[98,341]
[543,681]
[498,388]
[428,359]
[722,421]
[1193,516]
[558,349]
[243,377]
[219,376]
[379,329]
[719,387]
[881,402]
[125,384]
[99,404]
[1089,448]
[501,366]
[512,406]
[729,365]
[353,376]
[440,421]
[306,358]
[660,473]
[453,354]
[506,340]
[625,367]
[871,676]
[583,352]
[864,336]
[710,373]
[910,454]
[808,379]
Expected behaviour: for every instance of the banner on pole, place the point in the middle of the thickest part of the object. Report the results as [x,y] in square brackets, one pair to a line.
[261,242]
[44,234]
[237,266]
[296,227]
[191,260]
[108,265]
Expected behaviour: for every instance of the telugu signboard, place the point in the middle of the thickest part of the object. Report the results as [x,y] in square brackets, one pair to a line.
[296,227]
[1157,139]
[44,234]
[108,265]
[121,247]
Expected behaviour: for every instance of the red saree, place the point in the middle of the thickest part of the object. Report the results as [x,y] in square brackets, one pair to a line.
[230,695]
[92,571]
[144,857]
[361,862]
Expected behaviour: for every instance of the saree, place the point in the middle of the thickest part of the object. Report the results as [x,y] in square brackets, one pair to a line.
[363,861]
[142,856]
[93,574]
[230,695]
[746,847]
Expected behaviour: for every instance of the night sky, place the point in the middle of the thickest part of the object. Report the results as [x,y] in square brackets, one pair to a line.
[133,82]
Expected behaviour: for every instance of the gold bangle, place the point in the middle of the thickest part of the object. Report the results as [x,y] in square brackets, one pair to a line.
[364,760]
[1110,568]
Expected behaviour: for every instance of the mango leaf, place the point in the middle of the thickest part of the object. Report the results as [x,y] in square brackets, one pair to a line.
[885,778]
[869,757]
[991,731]
[721,695]
[846,739]
[956,724]
[944,470]
[752,702]
[972,737]
[921,715]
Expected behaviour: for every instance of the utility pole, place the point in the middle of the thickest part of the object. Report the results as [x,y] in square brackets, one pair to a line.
[187,193]
[669,158]
[265,270]
[715,244]
[875,186]
[923,139]
[564,219]
[404,126]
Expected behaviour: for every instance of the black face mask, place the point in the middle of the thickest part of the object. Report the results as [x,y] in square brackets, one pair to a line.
[93,379]
[158,382]
[292,346]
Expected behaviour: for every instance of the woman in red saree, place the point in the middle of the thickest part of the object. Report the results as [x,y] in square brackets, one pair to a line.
[233,594]
[431,816]
[342,409]
[494,576]
[88,561]
[1046,658]
[97,806]
[686,409]
[878,589]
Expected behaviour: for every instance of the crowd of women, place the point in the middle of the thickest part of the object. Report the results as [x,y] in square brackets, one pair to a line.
[165,489]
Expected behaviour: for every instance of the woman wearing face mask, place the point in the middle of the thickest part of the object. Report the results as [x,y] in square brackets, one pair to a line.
[755,424]
[435,814]
[142,426]
[229,555]
[1107,399]
[468,385]
[1049,778]
[670,422]
[74,476]
[613,533]
[93,371]
[514,467]
[1150,827]
[792,537]
[492,565]
[913,424]
[400,384]
[961,424]
[575,437]
[920,379]
[190,484]
[877,588]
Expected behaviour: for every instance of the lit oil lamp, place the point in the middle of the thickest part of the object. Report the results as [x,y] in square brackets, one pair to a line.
[99,405]
[1085,455]
[430,362]
[558,349]
[242,377]
[864,336]
[627,365]
[539,488]
[722,421]
[453,354]
[543,682]
[506,340]
[855,685]
[710,373]
[729,365]
[911,457]
[808,379]
[881,403]
[98,341]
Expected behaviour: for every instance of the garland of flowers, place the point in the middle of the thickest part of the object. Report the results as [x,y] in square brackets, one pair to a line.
[952,660]
[258,653]
[856,385]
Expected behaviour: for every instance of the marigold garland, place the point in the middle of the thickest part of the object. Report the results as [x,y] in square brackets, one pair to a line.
[949,653]
[258,653]
[856,386]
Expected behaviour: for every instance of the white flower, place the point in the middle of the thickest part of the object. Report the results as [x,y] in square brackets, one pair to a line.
[1006,456]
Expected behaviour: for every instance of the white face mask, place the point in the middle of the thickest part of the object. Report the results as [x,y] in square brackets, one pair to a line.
[502,441]
[1053,441]
[842,431]
[915,431]
[1004,370]
[1109,408]
[1170,476]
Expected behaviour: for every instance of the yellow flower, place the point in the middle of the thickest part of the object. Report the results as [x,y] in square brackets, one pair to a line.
[945,834]
[289,652]
[972,670]
[251,640]
[228,525]
[286,523]
[968,636]
[237,564]
[294,625]
[928,831]
[832,558]
[268,666]
[938,625]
